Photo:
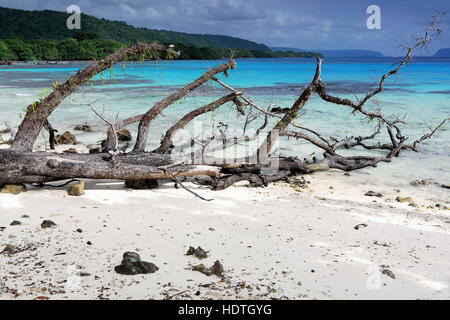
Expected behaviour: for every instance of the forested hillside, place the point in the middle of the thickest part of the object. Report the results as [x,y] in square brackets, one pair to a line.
[90,47]
[51,25]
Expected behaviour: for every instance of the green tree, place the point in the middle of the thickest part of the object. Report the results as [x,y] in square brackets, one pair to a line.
[6,53]
[22,49]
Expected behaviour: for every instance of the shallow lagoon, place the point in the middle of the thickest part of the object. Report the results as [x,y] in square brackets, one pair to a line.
[422,91]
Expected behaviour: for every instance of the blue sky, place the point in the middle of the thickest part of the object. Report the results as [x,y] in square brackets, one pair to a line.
[306,24]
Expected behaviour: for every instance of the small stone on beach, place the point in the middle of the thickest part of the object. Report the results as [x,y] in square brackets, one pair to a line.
[77,189]
[199,253]
[216,269]
[132,265]
[48,224]
[13,188]
[373,194]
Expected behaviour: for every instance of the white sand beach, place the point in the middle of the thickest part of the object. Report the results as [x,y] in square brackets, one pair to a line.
[278,242]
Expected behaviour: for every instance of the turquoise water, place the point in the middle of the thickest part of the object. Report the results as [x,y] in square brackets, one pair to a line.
[422,91]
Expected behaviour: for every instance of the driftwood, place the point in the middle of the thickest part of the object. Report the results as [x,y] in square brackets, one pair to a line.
[19,164]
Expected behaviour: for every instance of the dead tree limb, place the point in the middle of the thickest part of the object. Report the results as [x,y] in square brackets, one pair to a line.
[38,112]
[51,134]
[161,105]
[167,140]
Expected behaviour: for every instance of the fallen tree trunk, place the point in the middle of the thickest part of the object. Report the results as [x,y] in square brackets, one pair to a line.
[20,165]
[34,167]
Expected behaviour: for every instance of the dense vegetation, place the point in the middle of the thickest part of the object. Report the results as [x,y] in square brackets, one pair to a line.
[90,47]
[43,35]
[51,25]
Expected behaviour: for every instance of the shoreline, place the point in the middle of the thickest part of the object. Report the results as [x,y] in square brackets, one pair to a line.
[279,242]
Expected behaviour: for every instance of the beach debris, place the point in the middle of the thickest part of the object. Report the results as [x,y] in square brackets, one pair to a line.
[384,270]
[9,249]
[216,269]
[77,189]
[199,253]
[24,216]
[83,127]
[82,274]
[445,185]
[79,230]
[142,184]
[298,183]
[408,200]
[423,182]
[41,298]
[13,188]
[47,224]
[89,243]
[66,138]
[132,265]
[124,135]
[7,130]
[373,194]
[2,228]
[15,223]
[361,225]
[382,244]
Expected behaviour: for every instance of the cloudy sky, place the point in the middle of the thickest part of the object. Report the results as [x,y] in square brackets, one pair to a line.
[306,24]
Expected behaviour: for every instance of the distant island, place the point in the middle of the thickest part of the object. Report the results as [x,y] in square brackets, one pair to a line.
[443,53]
[42,35]
[336,53]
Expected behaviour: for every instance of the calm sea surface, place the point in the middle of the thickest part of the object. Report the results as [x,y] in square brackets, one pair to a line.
[422,92]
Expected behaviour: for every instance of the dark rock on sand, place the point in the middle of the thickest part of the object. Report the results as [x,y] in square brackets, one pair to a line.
[7,130]
[66,138]
[216,269]
[15,223]
[199,253]
[361,225]
[48,224]
[83,127]
[132,264]
[386,271]
[373,194]
[124,135]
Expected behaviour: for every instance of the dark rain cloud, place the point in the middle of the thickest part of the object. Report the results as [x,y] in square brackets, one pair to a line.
[319,24]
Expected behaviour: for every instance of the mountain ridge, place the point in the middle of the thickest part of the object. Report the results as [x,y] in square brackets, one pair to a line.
[51,25]
[335,53]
